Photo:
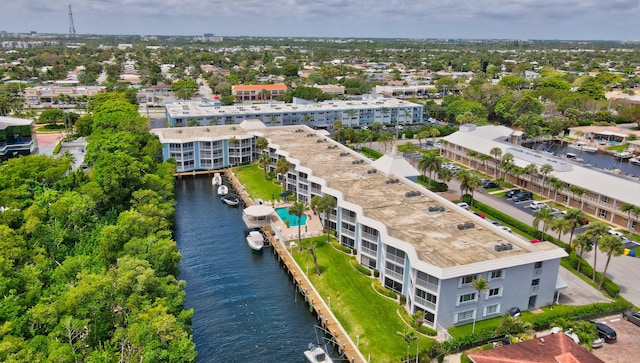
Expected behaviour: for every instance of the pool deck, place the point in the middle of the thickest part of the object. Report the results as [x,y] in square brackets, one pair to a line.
[312,228]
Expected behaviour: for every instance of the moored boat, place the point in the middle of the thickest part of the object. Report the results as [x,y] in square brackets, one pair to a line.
[623,155]
[230,199]
[582,146]
[635,161]
[217,179]
[316,354]
[223,190]
[255,240]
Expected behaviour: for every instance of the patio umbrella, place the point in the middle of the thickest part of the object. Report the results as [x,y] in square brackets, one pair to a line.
[284,194]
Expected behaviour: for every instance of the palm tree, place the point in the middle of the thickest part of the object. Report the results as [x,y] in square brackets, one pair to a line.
[530,170]
[463,177]
[311,248]
[545,170]
[577,191]
[576,219]
[513,325]
[282,167]
[480,285]
[556,185]
[496,152]
[445,175]
[261,143]
[561,226]
[431,163]
[596,231]
[385,138]
[298,209]
[263,161]
[273,119]
[324,205]
[484,157]
[473,183]
[506,162]
[422,135]
[544,215]
[433,133]
[611,246]
[472,154]
[583,244]
[376,127]
[630,209]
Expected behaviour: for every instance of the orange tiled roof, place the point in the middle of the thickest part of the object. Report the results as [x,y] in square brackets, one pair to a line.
[257,87]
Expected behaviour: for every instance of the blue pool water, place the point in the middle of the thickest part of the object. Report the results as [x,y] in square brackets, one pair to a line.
[283,213]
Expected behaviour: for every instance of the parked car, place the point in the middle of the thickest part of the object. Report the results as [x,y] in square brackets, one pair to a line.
[613,232]
[511,193]
[535,205]
[522,196]
[605,332]
[489,184]
[479,215]
[631,316]
[463,205]
[506,229]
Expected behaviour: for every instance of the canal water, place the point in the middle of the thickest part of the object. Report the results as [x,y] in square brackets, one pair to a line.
[597,160]
[246,307]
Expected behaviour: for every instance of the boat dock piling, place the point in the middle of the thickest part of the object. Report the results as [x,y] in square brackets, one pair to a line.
[327,320]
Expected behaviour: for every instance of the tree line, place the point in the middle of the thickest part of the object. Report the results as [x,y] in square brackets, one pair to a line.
[88,265]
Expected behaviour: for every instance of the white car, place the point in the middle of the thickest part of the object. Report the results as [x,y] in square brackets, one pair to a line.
[463,205]
[613,232]
[506,229]
[535,205]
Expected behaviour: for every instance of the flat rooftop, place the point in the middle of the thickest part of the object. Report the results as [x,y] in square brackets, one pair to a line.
[435,235]
[198,108]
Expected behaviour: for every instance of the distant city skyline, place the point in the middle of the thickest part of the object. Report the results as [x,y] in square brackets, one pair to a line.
[488,19]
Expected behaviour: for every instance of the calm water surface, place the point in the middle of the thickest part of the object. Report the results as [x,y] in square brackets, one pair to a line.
[246,307]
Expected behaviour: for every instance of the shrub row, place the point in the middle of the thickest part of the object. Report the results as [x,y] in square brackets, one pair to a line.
[371,153]
[340,247]
[608,286]
[436,186]
[363,270]
[423,329]
[383,290]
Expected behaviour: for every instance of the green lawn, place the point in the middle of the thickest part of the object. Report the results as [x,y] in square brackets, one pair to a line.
[360,310]
[252,177]
[618,148]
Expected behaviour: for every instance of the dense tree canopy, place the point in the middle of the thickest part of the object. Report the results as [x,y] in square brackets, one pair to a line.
[89,267]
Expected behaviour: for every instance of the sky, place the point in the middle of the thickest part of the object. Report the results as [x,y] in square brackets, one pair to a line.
[469,19]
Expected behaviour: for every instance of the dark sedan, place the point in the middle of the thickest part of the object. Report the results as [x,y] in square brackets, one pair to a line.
[631,316]
[605,332]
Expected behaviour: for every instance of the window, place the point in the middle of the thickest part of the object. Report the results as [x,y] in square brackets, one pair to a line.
[535,282]
[464,316]
[497,274]
[466,298]
[466,280]
[492,309]
[603,213]
[494,292]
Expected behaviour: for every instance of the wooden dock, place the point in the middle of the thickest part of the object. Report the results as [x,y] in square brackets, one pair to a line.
[325,317]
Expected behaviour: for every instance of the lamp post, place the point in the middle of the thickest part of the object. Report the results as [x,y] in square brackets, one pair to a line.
[329,300]
[357,340]
[307,270]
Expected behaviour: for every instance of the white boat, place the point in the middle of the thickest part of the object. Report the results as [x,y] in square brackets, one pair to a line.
[635,161]
[223,190]
[582,146]
[255,240]
[623,155]
[316,354]
[230,199]
[572,156]
[217,179]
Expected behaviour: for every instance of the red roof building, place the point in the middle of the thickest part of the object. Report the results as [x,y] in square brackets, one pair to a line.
[258,92]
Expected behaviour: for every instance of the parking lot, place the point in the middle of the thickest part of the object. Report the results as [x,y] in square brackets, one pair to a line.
[627,345]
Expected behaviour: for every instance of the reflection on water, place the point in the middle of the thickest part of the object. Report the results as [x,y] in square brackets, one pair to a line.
[597,160]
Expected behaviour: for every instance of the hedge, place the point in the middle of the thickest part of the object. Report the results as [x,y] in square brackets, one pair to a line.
[383,290]
[363,270]
[435,185]
[371,153]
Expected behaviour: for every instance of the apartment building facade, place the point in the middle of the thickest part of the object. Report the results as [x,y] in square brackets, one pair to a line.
[48,95]
[258,92]
[423,246]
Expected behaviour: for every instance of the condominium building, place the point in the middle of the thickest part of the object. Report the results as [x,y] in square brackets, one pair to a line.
[362,112]
[16,137]
[54,94]
[406,91]
[603,194]
[423,246]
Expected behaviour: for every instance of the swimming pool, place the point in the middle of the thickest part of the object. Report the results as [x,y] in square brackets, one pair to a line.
[283,213]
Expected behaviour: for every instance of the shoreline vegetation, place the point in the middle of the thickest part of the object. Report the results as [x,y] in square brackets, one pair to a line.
[89,264]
